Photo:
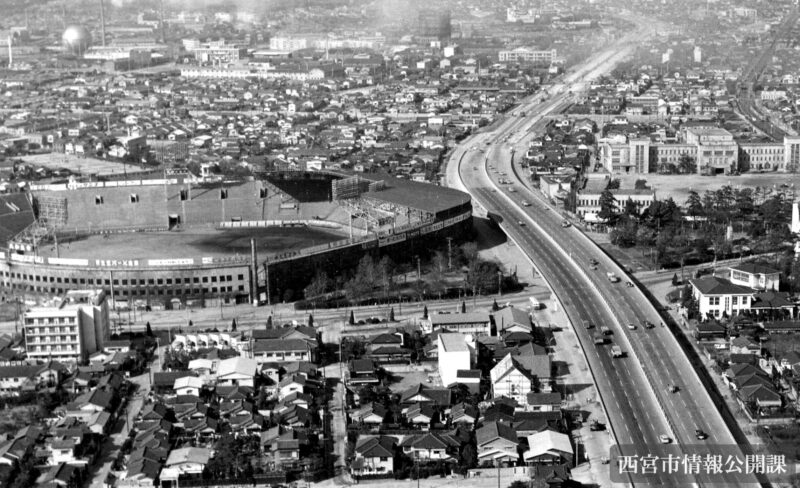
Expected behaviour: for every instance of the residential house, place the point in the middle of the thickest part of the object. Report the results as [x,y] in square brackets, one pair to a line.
[388,348]
[373,455]
[362,372]
[421,415]
[371,414]
[441,397]
[237,371]
[476,323]
[463,413]
[548,447]
[543,402]
[188,385]
[511,319]
[497,445]
[185,461]
[283,350]
[431,446]
[517,375]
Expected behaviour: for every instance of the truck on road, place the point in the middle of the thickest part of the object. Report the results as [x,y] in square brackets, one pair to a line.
[616,351]
[612,277]
[599,338]
[605,330]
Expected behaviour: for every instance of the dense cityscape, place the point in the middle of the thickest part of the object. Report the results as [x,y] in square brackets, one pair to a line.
[394,242]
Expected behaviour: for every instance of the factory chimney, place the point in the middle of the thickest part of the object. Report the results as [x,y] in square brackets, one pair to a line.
[103,23]
[10,54]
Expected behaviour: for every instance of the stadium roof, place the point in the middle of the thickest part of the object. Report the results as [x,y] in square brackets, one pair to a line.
[16,213]
[420,196]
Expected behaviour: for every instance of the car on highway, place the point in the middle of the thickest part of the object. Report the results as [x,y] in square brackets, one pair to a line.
[649,325]
[525,204]
[672,388]
[630,284]
[512,190]
[664,439]
[700,435]
[587,324]
[632,326]
[521,223]
[565,223]
[593,261]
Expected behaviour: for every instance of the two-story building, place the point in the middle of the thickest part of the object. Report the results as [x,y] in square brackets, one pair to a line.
[717,296]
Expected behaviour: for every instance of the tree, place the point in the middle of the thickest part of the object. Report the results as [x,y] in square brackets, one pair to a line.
[641,184]
[391,314]
[425,312]
[675,280]
[469,456]
[352,320]
[470,252]
[608,209]
[613,184]
[463,307]
[148,330]
[310,320]
[269,322]
[694,206]
[233,325]
[318,286]
[631,209]
[687,164]
[495,306]
[191,323]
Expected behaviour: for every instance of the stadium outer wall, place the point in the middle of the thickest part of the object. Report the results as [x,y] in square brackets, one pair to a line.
[209,281]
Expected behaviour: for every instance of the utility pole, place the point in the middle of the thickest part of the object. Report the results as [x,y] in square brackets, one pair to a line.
[266,278]
[419,269]
[449,253]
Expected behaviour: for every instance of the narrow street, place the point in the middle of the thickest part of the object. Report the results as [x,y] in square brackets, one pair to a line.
[338,425]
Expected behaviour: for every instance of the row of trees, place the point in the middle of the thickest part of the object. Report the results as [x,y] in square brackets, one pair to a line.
[463,268]
[758,218]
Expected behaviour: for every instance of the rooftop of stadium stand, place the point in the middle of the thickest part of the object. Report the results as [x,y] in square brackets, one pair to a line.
[16,214]
[420,196]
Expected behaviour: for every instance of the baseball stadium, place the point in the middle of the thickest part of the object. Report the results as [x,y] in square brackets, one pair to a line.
[179,241]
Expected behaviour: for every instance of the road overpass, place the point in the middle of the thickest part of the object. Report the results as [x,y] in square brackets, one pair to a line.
[635,390]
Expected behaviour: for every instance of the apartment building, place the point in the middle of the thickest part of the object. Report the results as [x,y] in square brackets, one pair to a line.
[70,329]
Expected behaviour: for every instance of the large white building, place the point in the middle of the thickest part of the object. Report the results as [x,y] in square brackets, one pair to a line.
[285,43]
[70,329]
[455,354]
[527,55]
[717,296]
[631,156]
[588,204]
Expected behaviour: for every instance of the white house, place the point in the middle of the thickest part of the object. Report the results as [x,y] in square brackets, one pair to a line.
[455,353]
[756,276]
[237,371]
[188,385]
[548,447]
[716,296]
[186,460]
[520,373]
[374,455]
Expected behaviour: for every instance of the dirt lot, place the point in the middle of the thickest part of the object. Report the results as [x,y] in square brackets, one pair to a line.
[80,164]
[405,380]
[679,186]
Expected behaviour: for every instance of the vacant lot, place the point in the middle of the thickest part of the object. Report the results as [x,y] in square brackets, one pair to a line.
[679,186]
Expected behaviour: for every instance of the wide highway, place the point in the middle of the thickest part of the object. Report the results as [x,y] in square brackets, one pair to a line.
[635,389]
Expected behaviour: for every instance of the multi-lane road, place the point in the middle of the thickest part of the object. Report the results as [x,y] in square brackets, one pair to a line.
[635,389]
